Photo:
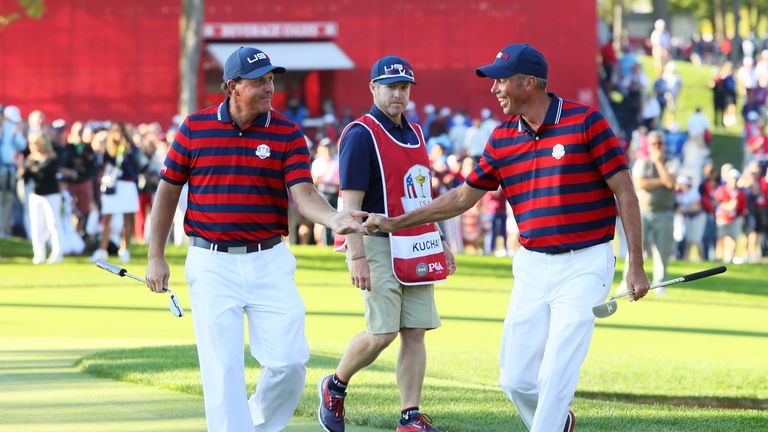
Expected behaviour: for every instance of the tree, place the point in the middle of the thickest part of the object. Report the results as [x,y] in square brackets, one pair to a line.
[736,52]
[190,32]
[31,8]
[756,10]
[661,10]
[718,17]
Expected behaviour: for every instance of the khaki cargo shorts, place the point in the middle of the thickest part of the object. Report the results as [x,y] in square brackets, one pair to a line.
[390,306]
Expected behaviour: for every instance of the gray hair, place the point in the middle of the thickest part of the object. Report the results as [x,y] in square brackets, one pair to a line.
[224,87]
[541,83]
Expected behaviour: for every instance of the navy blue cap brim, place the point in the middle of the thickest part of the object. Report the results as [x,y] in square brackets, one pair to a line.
[493,71]
[397,79]
[258,73]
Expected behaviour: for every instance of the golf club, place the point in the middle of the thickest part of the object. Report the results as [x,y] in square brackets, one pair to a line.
[609,308]
[173,302]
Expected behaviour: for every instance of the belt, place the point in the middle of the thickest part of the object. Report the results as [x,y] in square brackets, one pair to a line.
[570,251]
[560,252]
[263,245]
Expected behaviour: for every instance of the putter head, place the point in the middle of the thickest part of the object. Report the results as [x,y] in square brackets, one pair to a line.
[606,309]
[175,306]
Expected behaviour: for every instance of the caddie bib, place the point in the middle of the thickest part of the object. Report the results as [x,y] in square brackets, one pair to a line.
[417,252]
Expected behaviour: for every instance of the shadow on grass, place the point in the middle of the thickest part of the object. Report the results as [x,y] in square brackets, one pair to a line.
[699,401]
[163,309]
[373,400]
[87,307]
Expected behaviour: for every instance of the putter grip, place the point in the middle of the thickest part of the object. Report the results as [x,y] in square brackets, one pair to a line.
[704,273]
[110,268]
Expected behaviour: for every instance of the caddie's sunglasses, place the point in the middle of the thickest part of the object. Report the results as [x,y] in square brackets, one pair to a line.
[395,72]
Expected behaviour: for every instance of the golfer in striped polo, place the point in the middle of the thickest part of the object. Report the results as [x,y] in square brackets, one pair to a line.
[239,158]
[562,171]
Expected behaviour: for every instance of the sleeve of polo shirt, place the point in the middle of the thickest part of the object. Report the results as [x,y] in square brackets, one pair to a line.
[603,145]
[355,156]
[296,161]
[175,168]
[485,174]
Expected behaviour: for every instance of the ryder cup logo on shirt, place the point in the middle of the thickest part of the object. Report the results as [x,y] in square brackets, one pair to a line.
[417,188]
[558,151]
[262,151]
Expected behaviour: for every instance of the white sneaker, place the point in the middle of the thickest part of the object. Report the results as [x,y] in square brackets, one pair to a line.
[124,256]
[55,259]
[99,254]
[659,291]
[37,261]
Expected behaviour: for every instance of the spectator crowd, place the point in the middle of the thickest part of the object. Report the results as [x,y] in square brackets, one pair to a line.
[86,187]
[688,204]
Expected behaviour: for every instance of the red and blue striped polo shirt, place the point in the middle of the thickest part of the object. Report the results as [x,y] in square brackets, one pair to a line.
[554,178]
[237,178]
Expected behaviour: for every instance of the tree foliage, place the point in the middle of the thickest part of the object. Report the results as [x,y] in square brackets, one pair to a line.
[34,9]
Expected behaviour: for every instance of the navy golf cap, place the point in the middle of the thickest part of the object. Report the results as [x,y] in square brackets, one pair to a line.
[515,59]
[392,69]
[247,62]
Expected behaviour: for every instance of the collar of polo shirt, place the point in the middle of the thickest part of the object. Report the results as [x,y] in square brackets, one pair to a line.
[222,115]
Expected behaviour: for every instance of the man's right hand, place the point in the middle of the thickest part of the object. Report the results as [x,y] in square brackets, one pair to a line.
[158,274]
[360,273]
[637,282]
[347,221]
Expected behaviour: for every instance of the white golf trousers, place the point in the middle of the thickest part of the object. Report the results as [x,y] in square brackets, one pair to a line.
[44,221]
[223,287]
[548,328]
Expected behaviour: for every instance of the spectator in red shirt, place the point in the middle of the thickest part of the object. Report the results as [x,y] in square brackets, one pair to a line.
[729,215]
[707,192]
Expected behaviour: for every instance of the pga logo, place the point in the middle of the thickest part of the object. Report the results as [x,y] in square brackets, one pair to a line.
[422,269]
[256,57]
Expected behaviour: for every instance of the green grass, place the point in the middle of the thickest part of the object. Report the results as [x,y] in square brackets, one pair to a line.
[661,364]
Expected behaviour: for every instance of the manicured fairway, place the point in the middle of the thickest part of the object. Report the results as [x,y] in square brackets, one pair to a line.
[700,344]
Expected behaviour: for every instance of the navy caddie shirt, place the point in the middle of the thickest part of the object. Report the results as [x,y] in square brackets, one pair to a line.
[358,163]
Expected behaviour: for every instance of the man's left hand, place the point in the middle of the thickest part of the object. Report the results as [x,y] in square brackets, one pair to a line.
[450,260]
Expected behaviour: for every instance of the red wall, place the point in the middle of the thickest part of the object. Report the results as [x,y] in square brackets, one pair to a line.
[445,40]
[93,59]
[110,59]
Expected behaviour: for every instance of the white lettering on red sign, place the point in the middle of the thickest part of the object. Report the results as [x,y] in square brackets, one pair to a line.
[272,30]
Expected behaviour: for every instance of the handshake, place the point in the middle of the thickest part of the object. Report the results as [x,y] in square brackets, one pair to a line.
[346,222]
[377,222]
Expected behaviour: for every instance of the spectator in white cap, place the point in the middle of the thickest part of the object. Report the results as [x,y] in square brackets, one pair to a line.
[690,218]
